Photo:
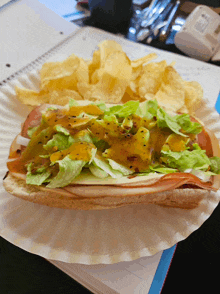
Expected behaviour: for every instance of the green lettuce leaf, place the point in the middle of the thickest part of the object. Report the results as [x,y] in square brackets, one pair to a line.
[101,145]
[163,169]
[195,159]
[127,124]
[31,131]
[109,118]
[148,109]
[60,141]
[73,102]
[85,138]
[203,175]
[215,164]
[97,171]
[37,178]
[124,110]
[166,121]
[101,105]
[105,166]
[187,125]
[123,169]
[61,129]
[68,170]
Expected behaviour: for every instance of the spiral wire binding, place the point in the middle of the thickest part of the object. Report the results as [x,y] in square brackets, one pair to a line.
[37,63]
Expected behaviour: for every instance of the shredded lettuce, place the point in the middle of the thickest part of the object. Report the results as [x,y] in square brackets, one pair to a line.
[215,164]
[118,120]
[109,118]
[100,144]
[124,110]
[97,171]
[37,178]
[163,169]
[195,159]
[73,102]
[61,129]
[148,109]
[166,121]
[105,166]
[82,137]
[68,170]
[123,169]
[187,125]
[31,131]
[59,141]
[101,105]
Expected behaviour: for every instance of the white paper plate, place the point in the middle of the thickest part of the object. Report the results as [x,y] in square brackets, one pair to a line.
[89,237]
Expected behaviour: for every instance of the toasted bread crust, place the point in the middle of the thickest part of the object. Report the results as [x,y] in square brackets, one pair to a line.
[182,198]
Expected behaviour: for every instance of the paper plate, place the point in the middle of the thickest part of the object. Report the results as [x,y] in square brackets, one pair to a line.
[89,237]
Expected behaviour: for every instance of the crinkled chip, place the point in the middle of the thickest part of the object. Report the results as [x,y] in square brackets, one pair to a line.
[30,97]
[112,77]
[62,97]
[143,60]
[108,47]
[97,76]
[171,94]
[94,64]
[118,65]
[131,93]
[113,81]
[193,95]
[151,77]
[108,89]
[64,75]
[51,71]
[82,72]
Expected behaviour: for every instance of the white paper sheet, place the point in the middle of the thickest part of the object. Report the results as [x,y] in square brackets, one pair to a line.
[124,277]
[28,29]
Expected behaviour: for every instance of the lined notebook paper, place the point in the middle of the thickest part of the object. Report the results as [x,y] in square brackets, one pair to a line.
[28,29]
[143,276]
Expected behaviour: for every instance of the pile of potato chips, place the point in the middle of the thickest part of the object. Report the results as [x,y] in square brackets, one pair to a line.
[112,77]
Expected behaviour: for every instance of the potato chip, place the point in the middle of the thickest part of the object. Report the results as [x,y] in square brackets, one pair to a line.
[113,81]
[145,59]
[171,94]
[151,77]
[68,77]
[94,64]
[95,78]
[57,70]
[82,72]
[112,77]
[108,47]
[62,97]
[131,93]
[30,97]
[193,95]
[108,89]
[118,65]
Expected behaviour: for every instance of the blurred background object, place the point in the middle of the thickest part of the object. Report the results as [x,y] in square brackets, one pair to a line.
[110,15]
[152,22]
[199,37]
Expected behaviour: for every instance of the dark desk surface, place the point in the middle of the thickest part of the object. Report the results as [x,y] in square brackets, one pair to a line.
[194,269]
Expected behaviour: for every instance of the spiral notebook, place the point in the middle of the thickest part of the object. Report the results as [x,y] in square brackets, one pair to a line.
[31,34]
[144,275]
